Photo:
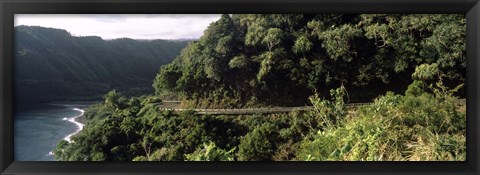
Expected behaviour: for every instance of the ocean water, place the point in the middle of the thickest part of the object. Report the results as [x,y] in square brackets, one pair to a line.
[38,129]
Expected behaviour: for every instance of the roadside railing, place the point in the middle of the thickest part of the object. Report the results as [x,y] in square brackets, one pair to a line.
[247,111]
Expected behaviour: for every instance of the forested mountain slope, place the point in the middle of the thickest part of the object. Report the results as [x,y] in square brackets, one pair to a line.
[325,61]
[282,59]
[51,64]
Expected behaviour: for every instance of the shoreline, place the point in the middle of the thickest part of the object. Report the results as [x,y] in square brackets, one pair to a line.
[81,119]
[77,121]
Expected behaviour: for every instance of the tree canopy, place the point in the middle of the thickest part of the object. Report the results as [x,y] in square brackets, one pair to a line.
[281,59]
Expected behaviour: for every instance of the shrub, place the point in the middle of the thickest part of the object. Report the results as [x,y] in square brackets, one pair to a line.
[417,126]
[210,152]
[257,145]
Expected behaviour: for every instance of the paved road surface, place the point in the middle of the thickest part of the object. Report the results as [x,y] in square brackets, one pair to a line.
[245,111]
[249,111]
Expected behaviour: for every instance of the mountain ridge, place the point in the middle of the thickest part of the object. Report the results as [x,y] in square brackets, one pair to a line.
[52,64]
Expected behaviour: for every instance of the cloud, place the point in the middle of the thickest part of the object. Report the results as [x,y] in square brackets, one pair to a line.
[136,26]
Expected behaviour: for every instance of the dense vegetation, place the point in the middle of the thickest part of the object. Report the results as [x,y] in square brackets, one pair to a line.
[275,59]
[412,66]
[51,64]
[415,126]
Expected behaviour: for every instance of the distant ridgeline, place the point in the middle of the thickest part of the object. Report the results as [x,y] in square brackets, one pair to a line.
[51,64]
[278,59]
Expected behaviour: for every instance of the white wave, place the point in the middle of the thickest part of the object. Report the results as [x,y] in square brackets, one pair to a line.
[50,153]
[65,118]
[79,125]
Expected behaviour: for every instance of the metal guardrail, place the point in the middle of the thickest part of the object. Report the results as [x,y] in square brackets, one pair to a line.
[246,111]
[171,101]
[242,111]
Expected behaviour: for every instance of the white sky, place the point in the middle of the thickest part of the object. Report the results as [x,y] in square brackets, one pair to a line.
[135,26]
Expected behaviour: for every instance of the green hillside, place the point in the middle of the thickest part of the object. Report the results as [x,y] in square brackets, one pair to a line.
[51,64]
[410,67]
[275,59]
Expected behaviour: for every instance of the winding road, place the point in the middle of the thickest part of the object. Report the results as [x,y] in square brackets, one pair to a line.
[170,105]
[246,111]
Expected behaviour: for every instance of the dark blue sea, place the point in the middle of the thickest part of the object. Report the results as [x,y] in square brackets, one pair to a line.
[38,128]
